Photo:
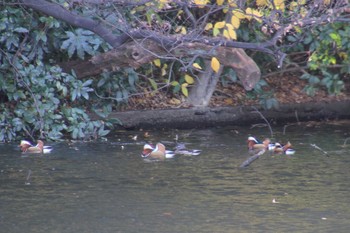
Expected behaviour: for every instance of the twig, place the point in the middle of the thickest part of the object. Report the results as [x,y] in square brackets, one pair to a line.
[28,177]
[318,148]
[262,116]
[257,125]
[346,140]
[285,128]
[296,116]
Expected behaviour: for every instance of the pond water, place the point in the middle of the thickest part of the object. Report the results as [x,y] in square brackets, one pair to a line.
[102,187]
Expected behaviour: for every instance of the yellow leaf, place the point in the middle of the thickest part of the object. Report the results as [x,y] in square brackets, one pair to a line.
[208,26]
[201,3]
[249,13]
[232,34]
[179,13]
[157,62]
[225,34]
[175,101]
[229,26]
[219,2]
[235,21]
[228,101]
[165,66]
[220,25]
[343,55]
[215,64]
[257,15]
[189,79]
[183,31]
[238,13]
[279,4]
[163,71]
[184,91]
[262,2]
[297,29]
[177,29]
[196,65]
[232,3]
[163,1]
[293,5]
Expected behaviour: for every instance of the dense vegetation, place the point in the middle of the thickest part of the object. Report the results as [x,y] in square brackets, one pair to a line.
[39,100]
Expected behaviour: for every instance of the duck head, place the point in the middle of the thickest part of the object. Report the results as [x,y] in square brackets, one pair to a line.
[147,150]
[251,142]
[24,145]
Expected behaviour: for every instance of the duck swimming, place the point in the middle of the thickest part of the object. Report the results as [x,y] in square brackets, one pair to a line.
[182,150]
[157,152]
[284,149]
[254,144]
[27,147]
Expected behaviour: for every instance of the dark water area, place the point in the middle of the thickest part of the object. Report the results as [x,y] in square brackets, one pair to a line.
[107,187]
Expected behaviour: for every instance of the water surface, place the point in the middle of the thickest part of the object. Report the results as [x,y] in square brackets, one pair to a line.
[107,187]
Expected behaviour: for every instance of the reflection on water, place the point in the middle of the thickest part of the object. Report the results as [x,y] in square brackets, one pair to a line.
[100,187]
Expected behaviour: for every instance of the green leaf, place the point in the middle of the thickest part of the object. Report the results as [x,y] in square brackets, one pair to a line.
[184,90]
[21,30]
[102,132]
[153,84]
[189,79]
[87,83]
[174,83]
[216,31]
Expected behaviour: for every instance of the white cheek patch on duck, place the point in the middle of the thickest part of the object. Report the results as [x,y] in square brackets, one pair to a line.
[146,153]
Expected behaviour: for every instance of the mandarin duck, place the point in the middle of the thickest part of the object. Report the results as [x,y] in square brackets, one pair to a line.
[284,149]
[27,147]
[182,150]
[254,144]
[156,152]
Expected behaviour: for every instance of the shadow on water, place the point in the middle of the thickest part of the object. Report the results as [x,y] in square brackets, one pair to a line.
[100,187]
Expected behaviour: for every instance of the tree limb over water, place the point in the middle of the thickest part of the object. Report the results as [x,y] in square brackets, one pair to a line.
[137,42]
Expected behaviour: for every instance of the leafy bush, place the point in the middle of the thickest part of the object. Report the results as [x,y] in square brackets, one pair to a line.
[328,63]
[41,101]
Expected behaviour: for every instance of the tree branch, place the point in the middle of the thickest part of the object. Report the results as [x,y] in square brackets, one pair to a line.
[58,12]
[116,41]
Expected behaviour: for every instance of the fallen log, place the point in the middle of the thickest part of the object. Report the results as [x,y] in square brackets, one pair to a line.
[251,159]
[178,118]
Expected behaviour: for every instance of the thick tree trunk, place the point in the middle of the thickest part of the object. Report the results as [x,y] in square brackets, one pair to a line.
[204,88]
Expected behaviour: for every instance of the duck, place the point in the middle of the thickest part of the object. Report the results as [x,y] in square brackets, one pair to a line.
[254,144]
[182,150]
[284,149]
[27,147]
[157,152]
